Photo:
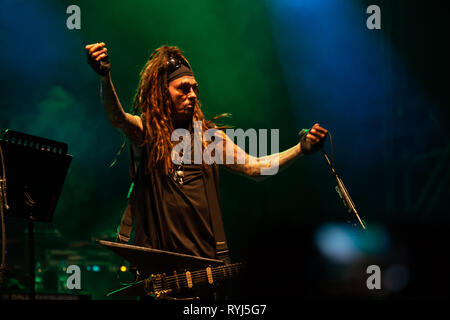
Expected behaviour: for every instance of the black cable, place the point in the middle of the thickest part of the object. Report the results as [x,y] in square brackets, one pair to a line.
[332,148]
[120,271]
[340,188]
[123,145]
[116,158]
[3,204]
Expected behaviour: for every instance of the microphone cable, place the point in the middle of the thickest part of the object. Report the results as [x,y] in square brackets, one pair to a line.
[340,188]
[3,205]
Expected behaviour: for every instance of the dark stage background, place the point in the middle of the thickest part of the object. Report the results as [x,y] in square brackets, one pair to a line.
[286,65]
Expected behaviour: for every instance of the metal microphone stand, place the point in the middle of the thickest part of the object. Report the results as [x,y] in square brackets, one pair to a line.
[340,188]
[342,191]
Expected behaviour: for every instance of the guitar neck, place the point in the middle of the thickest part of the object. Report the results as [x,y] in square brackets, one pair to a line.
[192,279]
[227,271]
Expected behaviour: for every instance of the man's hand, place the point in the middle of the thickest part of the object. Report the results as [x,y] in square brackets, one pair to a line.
[97,58]
[313,140]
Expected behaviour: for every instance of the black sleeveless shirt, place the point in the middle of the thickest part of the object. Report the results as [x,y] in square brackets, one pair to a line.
[172,216]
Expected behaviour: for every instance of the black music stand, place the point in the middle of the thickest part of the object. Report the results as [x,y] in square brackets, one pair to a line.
[151,261]
[35,172]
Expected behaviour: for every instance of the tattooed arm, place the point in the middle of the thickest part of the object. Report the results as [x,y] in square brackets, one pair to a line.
[259,168]
[130,125]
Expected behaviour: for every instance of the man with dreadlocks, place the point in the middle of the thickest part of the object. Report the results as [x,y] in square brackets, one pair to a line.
[176,207]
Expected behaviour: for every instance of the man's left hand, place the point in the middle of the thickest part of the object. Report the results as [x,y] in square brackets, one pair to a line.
[314,139]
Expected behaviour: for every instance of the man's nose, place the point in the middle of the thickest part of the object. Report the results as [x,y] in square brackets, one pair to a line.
[191,94]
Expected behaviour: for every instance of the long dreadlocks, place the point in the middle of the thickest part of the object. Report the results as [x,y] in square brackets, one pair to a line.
[154,103]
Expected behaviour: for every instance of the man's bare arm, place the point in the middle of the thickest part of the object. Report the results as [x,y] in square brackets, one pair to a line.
[259,168]
[130,125]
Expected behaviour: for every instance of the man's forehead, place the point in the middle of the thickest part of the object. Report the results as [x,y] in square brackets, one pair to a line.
[185,79]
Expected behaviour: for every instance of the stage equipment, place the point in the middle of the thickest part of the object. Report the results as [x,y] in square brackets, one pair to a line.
[35,172]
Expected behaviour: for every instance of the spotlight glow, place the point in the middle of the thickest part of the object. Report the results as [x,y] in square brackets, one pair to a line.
[346,244]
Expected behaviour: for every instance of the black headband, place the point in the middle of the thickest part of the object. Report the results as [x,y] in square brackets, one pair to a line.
[180,72]
[178,68]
